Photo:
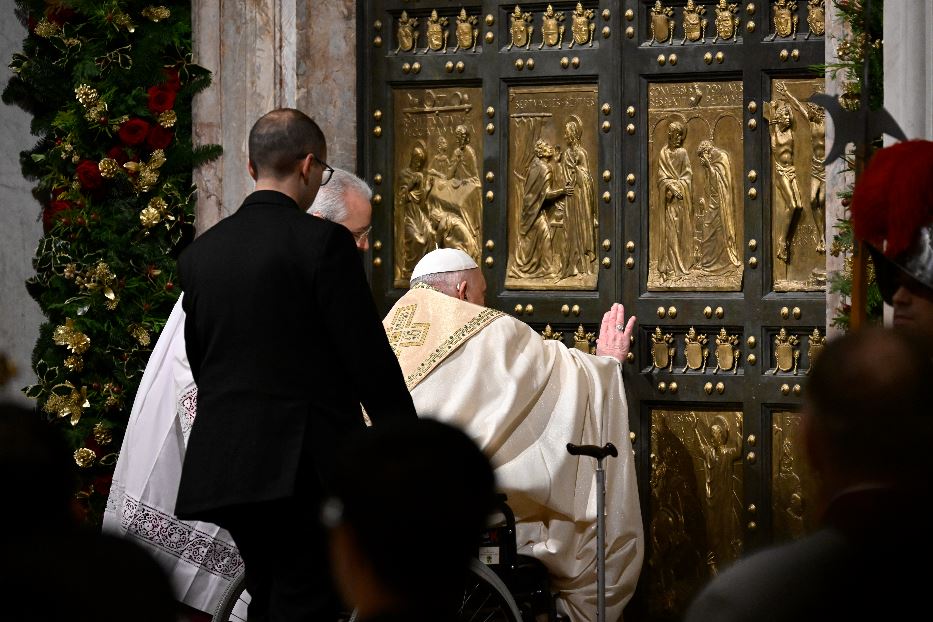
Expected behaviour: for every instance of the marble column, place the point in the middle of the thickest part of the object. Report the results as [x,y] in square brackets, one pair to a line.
[268,54]
[836,179]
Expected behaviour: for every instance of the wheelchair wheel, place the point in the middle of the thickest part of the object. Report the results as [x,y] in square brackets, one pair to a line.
[232,607]
[486,598]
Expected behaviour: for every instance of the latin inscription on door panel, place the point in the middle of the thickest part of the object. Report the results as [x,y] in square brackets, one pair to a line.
[438,200]
[796,130]
[553,217]
[695,211]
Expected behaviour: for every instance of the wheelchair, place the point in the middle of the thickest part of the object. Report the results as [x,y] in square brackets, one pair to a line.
[501,586]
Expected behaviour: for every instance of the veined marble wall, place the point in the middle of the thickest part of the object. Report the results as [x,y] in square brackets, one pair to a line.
[268,54]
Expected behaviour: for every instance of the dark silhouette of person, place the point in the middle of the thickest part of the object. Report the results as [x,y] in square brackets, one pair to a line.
[867,427]
[52,568]
[410,501]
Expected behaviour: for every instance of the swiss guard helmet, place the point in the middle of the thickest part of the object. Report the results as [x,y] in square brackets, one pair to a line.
[892,211]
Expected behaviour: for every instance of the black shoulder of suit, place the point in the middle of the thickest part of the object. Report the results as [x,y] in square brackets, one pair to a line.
[269,197]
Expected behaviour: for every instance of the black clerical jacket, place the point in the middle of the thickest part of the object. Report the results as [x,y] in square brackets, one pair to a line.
[285,343]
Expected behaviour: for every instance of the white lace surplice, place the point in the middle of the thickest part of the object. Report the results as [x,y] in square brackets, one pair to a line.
[200,557]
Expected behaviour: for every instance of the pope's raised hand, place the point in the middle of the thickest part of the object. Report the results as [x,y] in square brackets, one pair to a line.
[615,334]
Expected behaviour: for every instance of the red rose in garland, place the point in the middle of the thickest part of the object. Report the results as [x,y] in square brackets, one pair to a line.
[117,153]
[133,131]
[172,79]
[53,213]
[159,137]
[59,14]
[89,175]
[161,98]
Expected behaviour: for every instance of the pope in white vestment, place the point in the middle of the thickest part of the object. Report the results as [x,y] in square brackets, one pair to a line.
[522,399]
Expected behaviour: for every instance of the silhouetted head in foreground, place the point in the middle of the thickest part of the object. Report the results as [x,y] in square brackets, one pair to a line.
[409,504]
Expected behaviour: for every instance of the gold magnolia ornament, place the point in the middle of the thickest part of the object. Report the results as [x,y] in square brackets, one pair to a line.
[66,335]
[71,405]
[147,173]
[46,29]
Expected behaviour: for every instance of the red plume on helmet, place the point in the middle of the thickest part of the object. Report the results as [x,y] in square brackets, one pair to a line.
[893,198]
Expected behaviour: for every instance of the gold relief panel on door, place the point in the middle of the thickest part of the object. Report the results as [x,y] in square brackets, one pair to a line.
[438,194]
[695,198]
[793,485]
[796,130]
[552,211]
[696,505]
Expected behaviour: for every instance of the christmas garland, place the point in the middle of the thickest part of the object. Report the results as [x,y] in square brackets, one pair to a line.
[861,44]
[109,84]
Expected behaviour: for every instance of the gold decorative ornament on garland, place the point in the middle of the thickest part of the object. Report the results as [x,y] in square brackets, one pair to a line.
[110,85]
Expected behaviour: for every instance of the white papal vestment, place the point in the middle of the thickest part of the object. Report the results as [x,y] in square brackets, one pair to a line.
[199,557]
[522,399]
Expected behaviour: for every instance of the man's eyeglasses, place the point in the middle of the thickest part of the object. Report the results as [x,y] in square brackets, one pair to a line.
[328,170]
[359,237]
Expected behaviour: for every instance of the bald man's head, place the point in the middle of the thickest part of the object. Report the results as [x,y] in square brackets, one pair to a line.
[867,407]
[279,141]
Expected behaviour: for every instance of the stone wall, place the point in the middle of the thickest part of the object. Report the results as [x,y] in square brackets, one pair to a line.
[20,229]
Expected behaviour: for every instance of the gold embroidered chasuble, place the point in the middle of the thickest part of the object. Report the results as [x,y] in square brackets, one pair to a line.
[522,399]
[425,326]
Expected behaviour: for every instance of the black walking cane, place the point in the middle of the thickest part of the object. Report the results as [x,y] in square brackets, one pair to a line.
[594,451]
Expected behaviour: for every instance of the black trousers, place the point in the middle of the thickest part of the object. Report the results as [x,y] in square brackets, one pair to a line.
[285,551]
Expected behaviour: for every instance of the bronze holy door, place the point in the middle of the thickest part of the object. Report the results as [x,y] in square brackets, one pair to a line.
[661,154]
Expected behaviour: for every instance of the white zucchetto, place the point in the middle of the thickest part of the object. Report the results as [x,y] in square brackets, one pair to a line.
[443,260]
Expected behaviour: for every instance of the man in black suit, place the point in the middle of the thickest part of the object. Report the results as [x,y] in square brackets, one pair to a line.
[867,429]
[285,343]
